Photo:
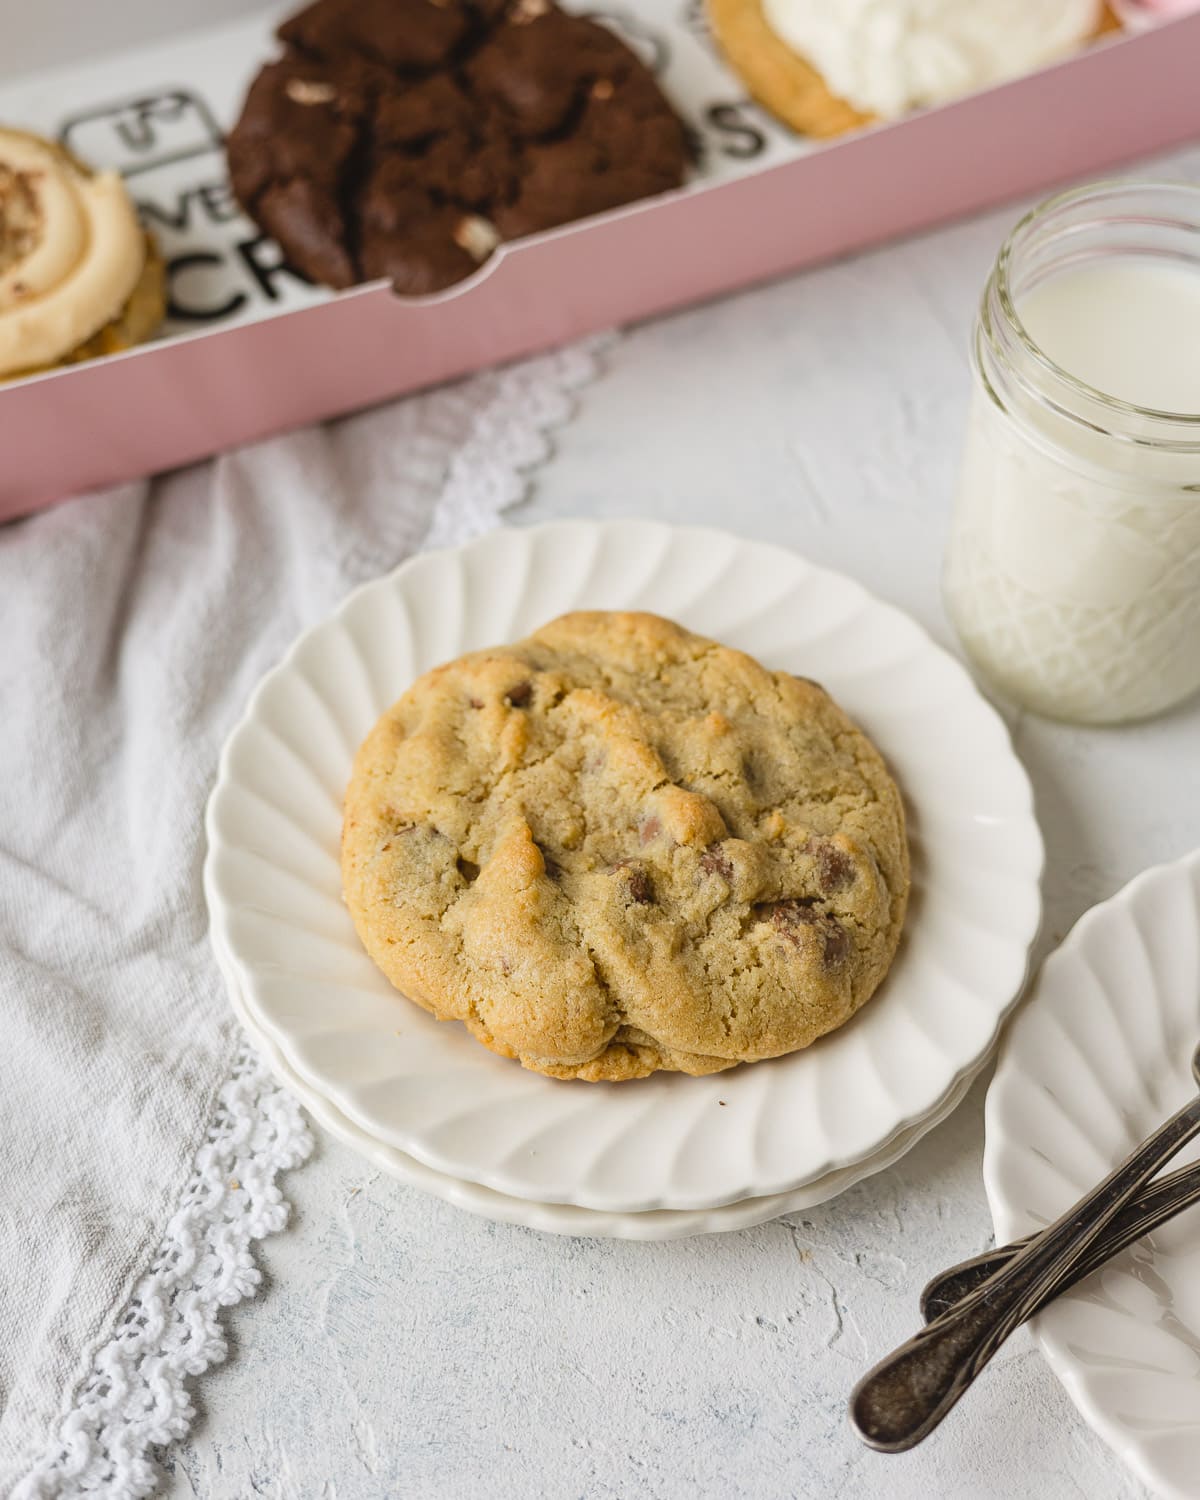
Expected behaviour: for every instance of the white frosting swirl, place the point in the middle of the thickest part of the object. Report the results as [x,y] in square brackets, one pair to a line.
[887,57]
[71,252]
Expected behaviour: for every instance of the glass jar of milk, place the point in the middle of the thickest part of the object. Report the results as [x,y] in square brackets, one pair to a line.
[1073,571]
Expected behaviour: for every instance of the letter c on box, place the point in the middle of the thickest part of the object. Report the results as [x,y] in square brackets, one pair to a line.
[179,265]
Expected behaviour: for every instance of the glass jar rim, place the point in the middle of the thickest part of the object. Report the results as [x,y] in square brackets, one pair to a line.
[1188,421]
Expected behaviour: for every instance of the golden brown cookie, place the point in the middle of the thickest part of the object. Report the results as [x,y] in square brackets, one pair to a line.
[1109,22]
[79,278]
[783,81]
[779,78]
[617,847]
[137,320]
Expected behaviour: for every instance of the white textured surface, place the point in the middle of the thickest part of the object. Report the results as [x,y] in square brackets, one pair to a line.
[404,1349]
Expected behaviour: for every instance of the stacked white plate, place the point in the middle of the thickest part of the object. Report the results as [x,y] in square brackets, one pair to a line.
[668,1155]
[1099,1057]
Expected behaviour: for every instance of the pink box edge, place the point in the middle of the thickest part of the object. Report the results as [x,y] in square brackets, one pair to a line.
[173,403]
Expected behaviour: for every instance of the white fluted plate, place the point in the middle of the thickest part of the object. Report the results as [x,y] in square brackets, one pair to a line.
[1099,1057]
[565,1218]
[668,1142]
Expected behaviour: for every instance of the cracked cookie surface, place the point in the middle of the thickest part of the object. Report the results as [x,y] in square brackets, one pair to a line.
[406,138]
[617,847]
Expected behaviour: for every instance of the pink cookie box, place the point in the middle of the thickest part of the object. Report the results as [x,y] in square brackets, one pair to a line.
[195,393]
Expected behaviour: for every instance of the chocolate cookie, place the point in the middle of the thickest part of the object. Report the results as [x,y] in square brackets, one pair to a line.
[406,138]
[617,847]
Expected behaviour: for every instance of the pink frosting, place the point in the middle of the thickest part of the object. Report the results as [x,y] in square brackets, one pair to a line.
[1158,9]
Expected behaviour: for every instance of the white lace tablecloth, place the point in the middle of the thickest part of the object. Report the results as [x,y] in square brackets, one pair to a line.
[140,1139]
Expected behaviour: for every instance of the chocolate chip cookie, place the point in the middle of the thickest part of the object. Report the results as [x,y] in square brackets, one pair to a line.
[617,847]
[406,138]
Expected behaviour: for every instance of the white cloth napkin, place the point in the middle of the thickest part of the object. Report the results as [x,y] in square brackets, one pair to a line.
[133,626]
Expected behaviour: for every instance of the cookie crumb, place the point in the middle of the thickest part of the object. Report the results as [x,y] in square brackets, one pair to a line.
[477,236]
[721,1102]
[602,89]
[310,91]
[773,826]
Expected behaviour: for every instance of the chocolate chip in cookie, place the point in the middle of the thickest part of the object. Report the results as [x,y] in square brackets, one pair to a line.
[794,919]
[715,861]
[635,881]
[835,868]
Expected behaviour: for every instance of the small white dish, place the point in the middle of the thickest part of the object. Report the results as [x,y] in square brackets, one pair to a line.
[563,1218]
[1097,1059]
[669,1142]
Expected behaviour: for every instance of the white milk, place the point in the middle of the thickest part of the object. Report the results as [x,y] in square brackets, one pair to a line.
[1130,327]
[1073,570]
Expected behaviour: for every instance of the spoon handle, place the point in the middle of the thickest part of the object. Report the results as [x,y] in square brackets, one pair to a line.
[1153,1206]
[908,1393]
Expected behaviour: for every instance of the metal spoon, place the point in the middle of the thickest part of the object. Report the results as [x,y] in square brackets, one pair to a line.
[1153,1206]
[908,1393]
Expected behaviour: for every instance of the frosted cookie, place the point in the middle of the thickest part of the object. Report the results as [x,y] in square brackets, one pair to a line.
[617,847]
[826,68]
[778,76]
[78,275]
[406,140]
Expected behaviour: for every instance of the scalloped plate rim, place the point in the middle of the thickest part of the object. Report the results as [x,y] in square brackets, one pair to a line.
[1068,1369]
[572,1219]
[1028,842]
[310,1080]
